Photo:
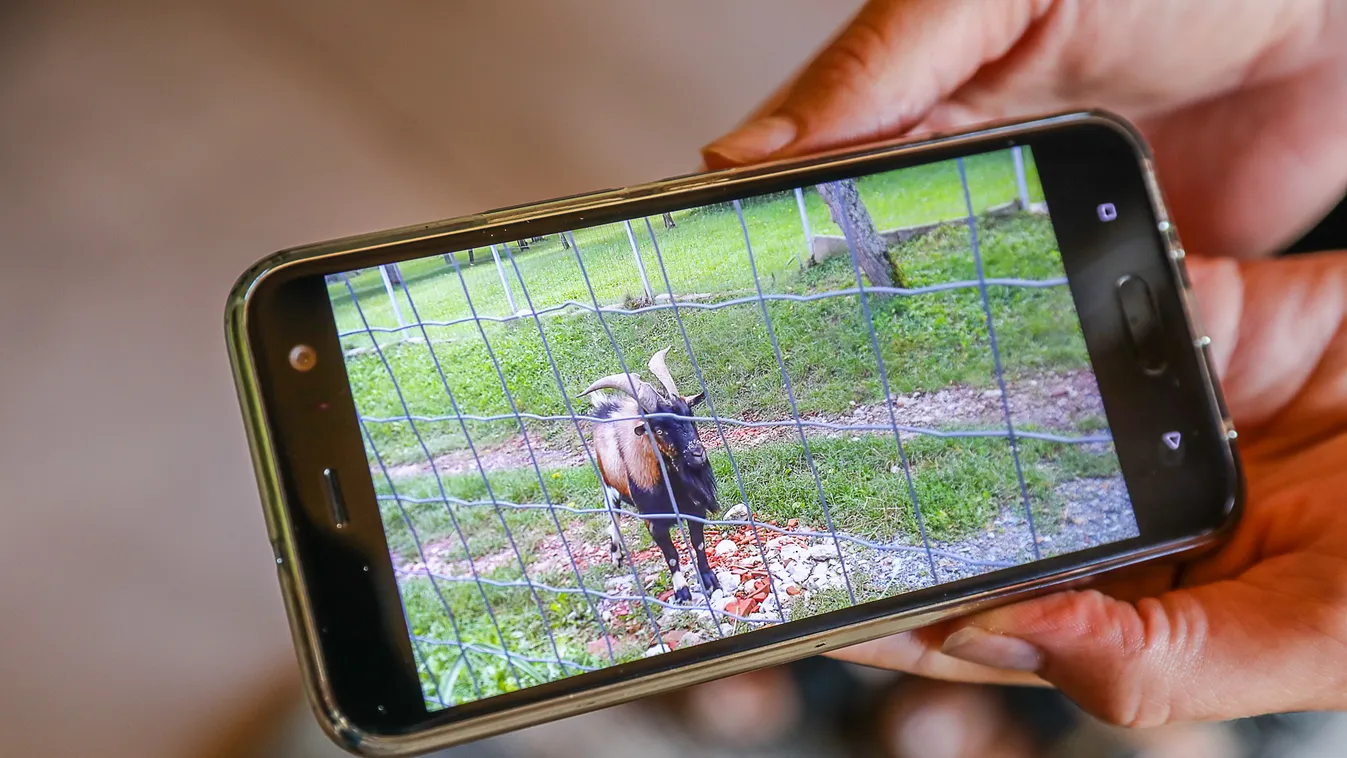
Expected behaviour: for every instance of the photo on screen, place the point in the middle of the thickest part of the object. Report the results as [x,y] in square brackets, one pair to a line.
[602,445]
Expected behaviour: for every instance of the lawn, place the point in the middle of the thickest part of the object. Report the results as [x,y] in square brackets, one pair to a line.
[703,253]
[927,342]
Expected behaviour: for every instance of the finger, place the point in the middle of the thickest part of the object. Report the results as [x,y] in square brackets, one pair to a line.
[1279,341]
[919,653]
[881,75]
[1225,650]
[1289,132]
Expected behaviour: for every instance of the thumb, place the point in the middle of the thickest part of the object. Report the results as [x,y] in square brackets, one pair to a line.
[1224,650]
[879,77]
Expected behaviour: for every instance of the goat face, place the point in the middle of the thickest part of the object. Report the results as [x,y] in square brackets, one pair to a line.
[680,445]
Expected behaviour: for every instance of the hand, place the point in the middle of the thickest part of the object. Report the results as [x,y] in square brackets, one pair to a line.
[1261,625]
[1243,104]
[1242,100]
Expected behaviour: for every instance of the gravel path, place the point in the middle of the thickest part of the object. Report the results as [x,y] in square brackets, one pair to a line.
[1095,512]
[763,583]
[1050,402]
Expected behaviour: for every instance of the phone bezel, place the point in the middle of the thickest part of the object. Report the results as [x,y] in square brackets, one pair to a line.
[253,321]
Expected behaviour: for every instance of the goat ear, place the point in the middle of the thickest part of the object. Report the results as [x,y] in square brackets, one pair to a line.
[639,429]
[695,399]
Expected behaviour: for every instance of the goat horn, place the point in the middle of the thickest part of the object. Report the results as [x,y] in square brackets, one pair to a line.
[644,395]
[661,371]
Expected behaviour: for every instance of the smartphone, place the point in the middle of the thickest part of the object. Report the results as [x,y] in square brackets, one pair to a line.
[530,463]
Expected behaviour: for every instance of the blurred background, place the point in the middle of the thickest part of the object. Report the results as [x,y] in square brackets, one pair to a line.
[150,151]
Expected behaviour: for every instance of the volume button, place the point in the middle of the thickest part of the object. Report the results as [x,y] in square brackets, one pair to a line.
[271,518]
[1174,249]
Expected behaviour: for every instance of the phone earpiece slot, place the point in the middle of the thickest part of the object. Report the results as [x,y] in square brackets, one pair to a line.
[334,498]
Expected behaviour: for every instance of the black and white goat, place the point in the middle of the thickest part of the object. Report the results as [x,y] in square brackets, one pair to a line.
[626,450]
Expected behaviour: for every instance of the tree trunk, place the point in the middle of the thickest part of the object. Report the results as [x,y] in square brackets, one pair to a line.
[867,246]
[668,221]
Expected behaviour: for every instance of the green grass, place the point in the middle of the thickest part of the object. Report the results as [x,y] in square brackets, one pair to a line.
[517,617]
[703,253]
[927,342]
[960,483]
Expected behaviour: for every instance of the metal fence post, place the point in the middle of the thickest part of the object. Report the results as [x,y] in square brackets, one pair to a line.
[1021,184]
[640,265]
[804,222]
[504,282]
[392,296]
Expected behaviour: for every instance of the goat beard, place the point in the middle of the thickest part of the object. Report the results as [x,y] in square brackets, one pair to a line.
[698,485]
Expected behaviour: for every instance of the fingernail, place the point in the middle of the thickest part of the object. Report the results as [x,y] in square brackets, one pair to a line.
[931,731]
[753,141]
[996,650]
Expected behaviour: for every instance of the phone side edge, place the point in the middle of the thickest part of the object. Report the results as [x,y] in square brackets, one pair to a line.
[333,721]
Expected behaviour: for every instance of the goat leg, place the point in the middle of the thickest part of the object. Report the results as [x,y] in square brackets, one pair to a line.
[610,499]
[708,577]
[659,531]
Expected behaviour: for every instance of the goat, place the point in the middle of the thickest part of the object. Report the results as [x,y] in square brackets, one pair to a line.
[632,474]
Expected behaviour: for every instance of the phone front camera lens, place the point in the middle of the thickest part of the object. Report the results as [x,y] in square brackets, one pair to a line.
[303,358]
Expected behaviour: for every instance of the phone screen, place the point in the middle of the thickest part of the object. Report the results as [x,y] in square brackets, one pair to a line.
[602,445]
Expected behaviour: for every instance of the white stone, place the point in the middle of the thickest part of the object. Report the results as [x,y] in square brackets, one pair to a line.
[727,629]
[656,650]
[728,582]
[737,512]
[689,639]
[799,572]
[725,548]
[822,552]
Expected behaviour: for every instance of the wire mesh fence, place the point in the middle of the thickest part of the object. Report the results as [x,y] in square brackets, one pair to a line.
[524,557]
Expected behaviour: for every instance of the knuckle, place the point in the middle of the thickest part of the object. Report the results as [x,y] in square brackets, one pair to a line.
[852,62]
[1157,652]
[1143,649]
